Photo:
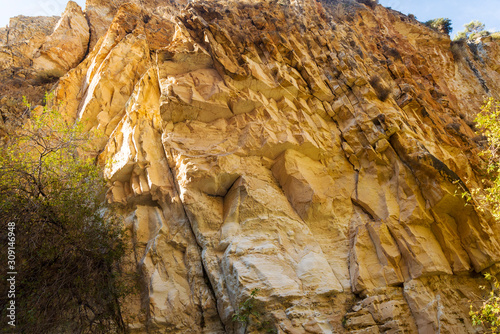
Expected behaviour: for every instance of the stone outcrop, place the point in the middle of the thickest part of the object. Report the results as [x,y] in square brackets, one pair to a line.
[100,13]
[21,38]
[68,43]
[311,150]
[35,52]
[38,44]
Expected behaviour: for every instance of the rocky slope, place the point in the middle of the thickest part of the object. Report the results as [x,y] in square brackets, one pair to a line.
[312,150]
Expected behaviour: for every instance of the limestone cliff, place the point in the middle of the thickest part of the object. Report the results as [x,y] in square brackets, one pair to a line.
[310,149]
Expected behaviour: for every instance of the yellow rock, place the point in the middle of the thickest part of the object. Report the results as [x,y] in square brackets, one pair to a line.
[309,149]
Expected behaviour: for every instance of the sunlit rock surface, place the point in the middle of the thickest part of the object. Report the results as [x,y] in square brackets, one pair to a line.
[312,150]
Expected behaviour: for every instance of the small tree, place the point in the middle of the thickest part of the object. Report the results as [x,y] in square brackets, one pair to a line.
[68,244]
[474,27]
[442,25]
[473,30]
[248,315]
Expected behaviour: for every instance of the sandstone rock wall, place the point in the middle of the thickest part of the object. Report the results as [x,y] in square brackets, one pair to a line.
[35,52]
[45,43]
[312,150]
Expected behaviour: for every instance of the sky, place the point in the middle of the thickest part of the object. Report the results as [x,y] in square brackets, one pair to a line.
[459,11]
[10,8]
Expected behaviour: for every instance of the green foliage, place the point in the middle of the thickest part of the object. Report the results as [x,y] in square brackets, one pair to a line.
[474,27]
[69,246]
[473,30]
[460,36]
[441,24]
[488,122]
[488,313]
[248,315]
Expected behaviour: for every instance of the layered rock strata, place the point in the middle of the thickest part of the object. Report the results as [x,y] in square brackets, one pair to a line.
[311,150]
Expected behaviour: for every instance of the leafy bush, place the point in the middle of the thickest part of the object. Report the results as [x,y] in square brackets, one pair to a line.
[441,24]
[473,30]
[68,244]
[488,122]
[248,315]
[488,313]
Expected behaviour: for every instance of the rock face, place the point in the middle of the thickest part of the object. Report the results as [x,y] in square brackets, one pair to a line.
[312,150]
[35,52]
[45,43]
[20,40]
[68,43]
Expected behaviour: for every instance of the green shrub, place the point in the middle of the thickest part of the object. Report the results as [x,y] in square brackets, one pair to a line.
[488,123]
[68,245]
[441,24]
[473,30]
[248,315]
[488,312]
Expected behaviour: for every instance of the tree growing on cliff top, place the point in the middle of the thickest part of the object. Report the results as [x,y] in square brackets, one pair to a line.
[473,30]
[68,245]
[441,24]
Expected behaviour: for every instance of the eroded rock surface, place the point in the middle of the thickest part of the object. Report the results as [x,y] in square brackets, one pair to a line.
[38,44]
[68,43]
[34,53]
[312,150]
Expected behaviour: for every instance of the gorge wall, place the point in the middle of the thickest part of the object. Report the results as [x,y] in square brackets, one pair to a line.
[312,150]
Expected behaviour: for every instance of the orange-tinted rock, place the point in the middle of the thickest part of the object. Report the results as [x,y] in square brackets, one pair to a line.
[312,150]
[68,44]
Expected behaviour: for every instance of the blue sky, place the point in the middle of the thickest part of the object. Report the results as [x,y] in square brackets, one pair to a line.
[10,8]
[459,11]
